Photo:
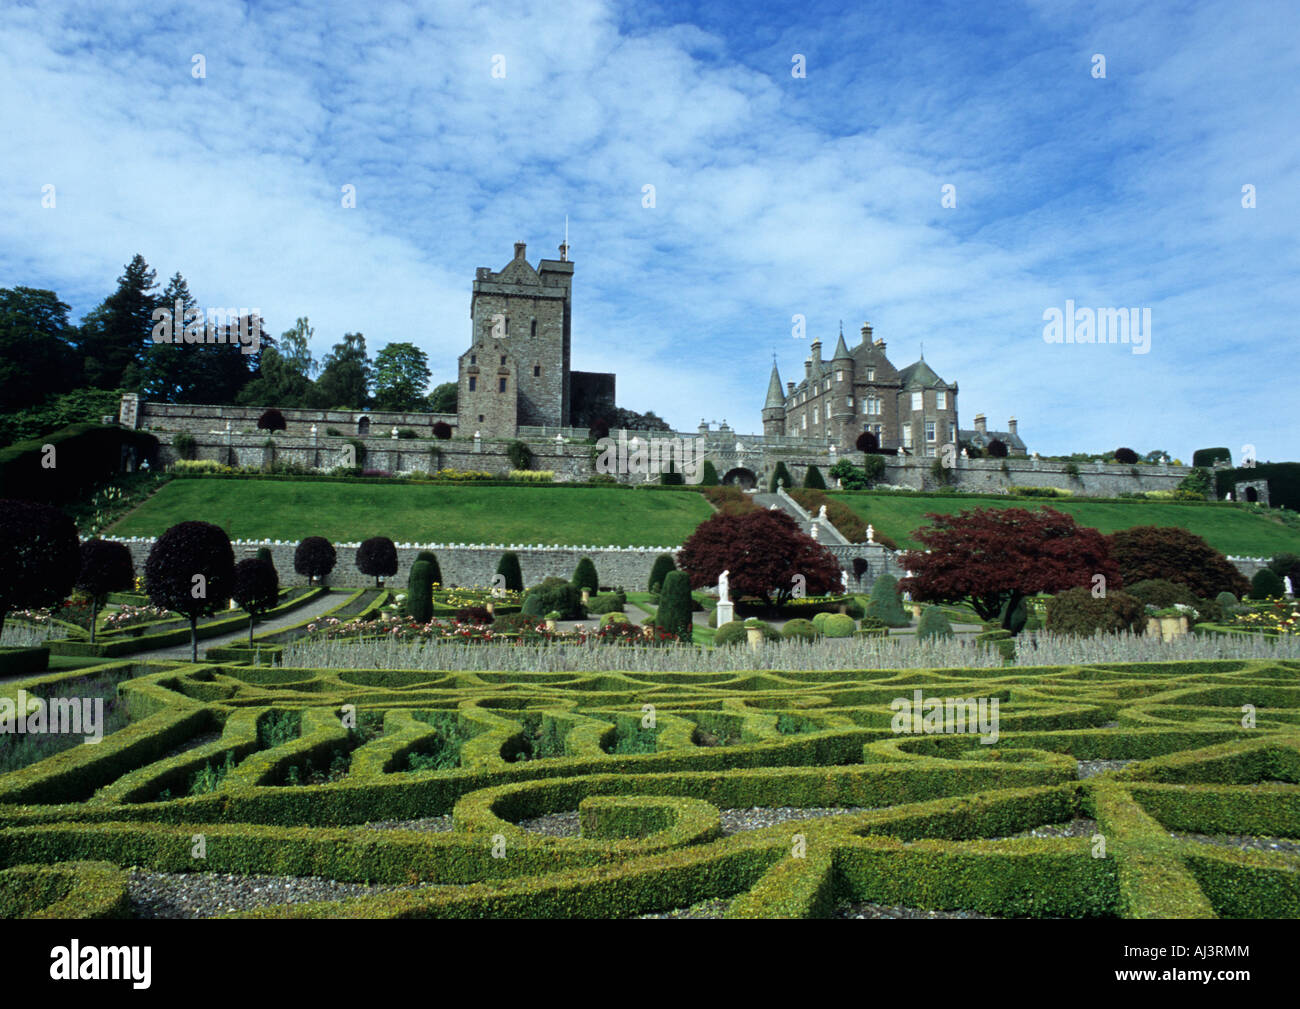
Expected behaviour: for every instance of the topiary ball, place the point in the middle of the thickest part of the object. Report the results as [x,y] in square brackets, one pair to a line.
[804,630]
[838,625]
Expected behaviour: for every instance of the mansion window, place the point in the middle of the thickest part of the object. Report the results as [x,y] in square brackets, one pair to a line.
[907,436]
[473,359]
[826,386]
[929,430]
[828,411]
[839,376]
[918,401]
[941,400]
[534,329]
[501,386]
[503,359]
[803,426]
[537,370]
[848,401]
[871,374]
[473,383]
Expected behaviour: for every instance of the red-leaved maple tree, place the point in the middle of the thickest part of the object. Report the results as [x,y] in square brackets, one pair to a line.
[765,553]
[994,557]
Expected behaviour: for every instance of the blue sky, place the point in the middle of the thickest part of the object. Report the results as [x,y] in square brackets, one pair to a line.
[775,196]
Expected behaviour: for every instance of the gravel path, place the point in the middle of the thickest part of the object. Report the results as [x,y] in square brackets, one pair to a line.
[866,910]
[307,611]
[207,894]
[1089,768]
[427,825]
[1243,841]
[1078,827]
[704,909]
[733,820]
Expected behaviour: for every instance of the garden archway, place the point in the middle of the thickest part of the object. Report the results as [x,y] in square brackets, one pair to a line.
[740,477]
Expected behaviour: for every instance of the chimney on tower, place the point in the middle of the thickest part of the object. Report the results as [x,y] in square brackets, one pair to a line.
[981,425]
[519,250]
[564,252]
[1011,426]
[866,333]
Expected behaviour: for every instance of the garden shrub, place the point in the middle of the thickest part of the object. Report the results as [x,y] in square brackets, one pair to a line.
[419,592]
[1176,555]
[609,602]
[813,479]
[933,624]
[1266,585]
[818,620]
[1077,611]
[1126,456]
[780,476]
[441,430]
[185,445]
[798,628]
[473,615]
[1162,593]
[271,420]
[431,559]
[1198,483]
[662,565]
[613,617]
[1227,602]
[508,568]
[838,625]
[1206,457]
[585,577]
[885,604]
[674,614]
[1281,564]
[520,455]
[554,594]
[708,474]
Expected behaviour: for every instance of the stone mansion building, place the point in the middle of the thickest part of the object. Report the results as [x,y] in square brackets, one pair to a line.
[860,390]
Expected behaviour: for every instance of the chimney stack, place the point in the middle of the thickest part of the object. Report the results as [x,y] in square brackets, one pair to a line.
[816,348]
[789,388]
[1011,426]
[807,367]
[866,333]
[519,250]
[981,425]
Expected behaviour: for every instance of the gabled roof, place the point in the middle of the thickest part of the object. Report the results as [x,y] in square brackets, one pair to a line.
[920,376]
[1011,441]
[518,271]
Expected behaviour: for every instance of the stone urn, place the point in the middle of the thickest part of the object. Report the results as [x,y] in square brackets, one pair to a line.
[755,637]
[490,606]
[550,623]
[586,596]
[916,611]
[1153,627]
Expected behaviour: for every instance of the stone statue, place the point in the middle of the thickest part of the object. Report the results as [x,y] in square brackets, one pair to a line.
[871,534]
[394,432]
[844,580]
[724,583]
[815,530]
[1286,584]
[821,514]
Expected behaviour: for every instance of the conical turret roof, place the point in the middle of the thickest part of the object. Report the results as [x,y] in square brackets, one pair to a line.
[775,397]
[841,351]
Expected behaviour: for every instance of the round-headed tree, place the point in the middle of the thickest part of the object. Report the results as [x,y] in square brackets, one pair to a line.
[419,592]
[39,556]
[708,474]
[377,557]
[256,589]
[996,449]
[780,477]
[511,574]
[271,420]
[813,479]
[1078,612]
[106,566]
[767,555]
[992,558]
[1282,563]
[662,565]
[441,430]
[1146,552]
[1126,455]
[314,558]
[264,554]
[1266,585]
[191,570]
[674,614]
[584,576]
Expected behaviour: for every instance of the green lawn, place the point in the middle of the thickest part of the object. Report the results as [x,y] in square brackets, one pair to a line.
[1230,530]
[293,509]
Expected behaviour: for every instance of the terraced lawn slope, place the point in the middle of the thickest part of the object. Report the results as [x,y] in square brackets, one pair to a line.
[1231,530]
[291,509]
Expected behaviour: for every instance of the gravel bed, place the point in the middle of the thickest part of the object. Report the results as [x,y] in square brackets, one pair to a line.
[1078,827]
[736,820]
[865,910]
[1088,768]
[207,894]
[704,909]
[733,820]
[1243,841]
[427,825]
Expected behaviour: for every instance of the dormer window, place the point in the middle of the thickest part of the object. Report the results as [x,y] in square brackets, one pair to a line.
[871,374]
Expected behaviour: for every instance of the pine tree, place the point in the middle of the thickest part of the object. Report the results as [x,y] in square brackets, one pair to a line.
[115,334]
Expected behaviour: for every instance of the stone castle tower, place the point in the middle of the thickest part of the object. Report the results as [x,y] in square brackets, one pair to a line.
[859,390]
[516,371]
